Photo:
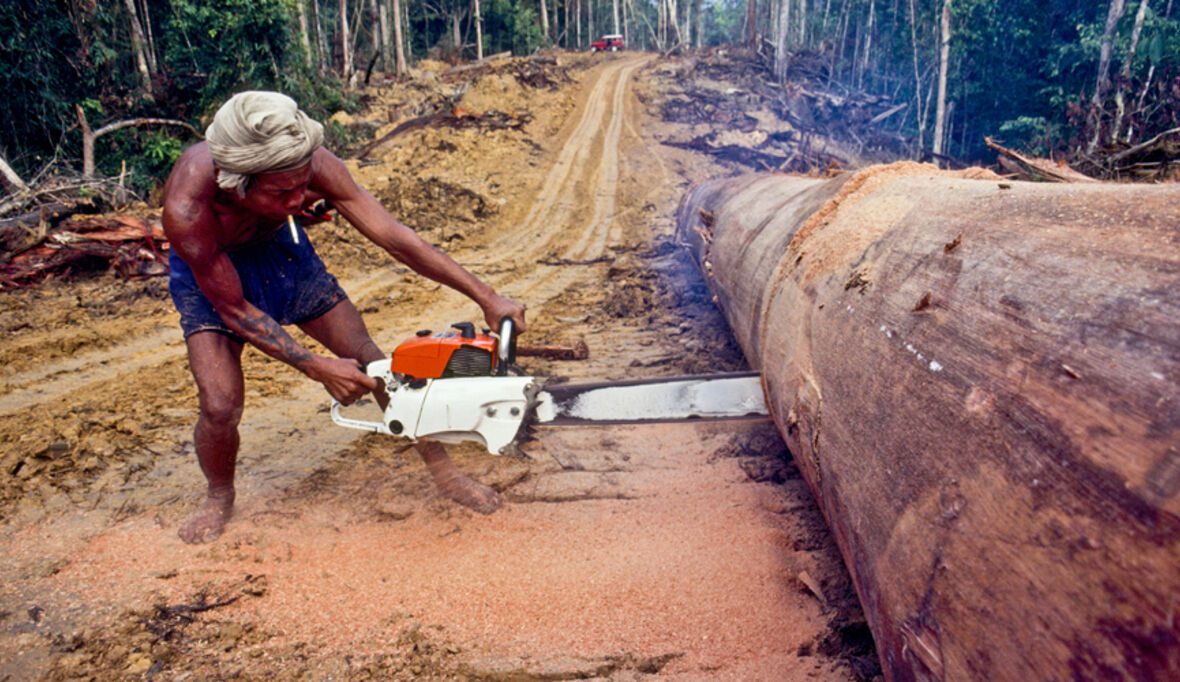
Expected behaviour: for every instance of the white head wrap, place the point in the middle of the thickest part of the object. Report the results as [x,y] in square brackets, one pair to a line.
[259,132]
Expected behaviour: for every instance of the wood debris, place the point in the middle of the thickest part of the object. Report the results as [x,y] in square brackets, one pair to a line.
[457,117]
[799,126]
[135,248]
[1027,168]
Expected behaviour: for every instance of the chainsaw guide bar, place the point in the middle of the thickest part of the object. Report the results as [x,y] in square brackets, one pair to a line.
[499,410]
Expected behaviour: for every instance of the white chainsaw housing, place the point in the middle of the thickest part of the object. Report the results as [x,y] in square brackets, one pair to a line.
[485,409]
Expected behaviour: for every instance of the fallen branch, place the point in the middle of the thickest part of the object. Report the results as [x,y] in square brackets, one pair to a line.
[456,118]
[567,261]
[478,64]
[88,136]
[12,181]
[1141,146]
[1041,169]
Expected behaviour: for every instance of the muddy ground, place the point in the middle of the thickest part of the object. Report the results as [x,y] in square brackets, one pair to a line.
[679,551]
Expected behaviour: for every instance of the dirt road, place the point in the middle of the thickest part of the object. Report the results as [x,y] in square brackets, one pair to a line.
[678,551]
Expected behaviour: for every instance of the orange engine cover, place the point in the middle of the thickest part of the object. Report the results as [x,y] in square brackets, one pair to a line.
[456,352]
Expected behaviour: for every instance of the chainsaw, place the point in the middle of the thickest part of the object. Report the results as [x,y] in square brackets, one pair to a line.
[460,385]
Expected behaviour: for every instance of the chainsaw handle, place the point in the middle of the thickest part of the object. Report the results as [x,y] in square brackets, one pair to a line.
[506,348]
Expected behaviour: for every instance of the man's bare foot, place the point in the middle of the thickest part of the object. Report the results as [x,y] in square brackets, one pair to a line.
[207,524]
[454,484]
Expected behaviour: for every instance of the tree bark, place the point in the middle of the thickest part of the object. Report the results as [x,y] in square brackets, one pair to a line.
[345,46]
[751,22]
[478,33]
[387,59]
[944,51]
[864,67]
[149,38]
[12,182]
[698,31]
[781,56]
[978,382]
[379,45]
[1114,13]
[544,21]
[321,39]
[304,37]
[919,111]
[615,8]
[138,45]
[398,38]
[1125,72]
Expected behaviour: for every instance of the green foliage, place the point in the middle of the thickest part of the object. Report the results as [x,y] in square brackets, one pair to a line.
[510,25]
[1033,133]
[234,45]
[161,150]
[723,21]
[526,32]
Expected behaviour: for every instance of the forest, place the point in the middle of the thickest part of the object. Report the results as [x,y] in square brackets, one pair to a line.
[1093,83]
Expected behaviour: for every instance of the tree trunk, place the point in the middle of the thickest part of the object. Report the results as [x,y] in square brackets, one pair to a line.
[1113,15]
[379,47]
[578,22]
[345,46]
[917,78]
[864,67]
[674,14]
[978,383]
[615,8]
[137,44]
[478,32]
[544,22]
[387,60]
[555,22]
[698,37]
[944,51]
[1125,72]
[751,22]
[398,39]
[149,38]
[304,38]
[781,56]
[321,40]
[802,23]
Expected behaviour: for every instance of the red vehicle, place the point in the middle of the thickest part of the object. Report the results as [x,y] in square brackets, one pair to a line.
[612,42]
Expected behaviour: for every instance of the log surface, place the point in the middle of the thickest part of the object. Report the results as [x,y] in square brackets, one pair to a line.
[978,379]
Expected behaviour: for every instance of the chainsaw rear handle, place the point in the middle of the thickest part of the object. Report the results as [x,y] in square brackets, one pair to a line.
[506,348]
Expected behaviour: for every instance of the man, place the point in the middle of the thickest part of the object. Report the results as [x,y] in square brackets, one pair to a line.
[240,269]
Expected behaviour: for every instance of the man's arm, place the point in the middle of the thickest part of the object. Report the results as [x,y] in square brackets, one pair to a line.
[190,226]
[332,179]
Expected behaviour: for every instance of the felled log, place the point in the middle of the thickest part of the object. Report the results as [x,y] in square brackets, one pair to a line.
[978,379]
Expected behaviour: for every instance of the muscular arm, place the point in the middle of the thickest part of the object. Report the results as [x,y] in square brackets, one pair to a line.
[332,179]
[192,228]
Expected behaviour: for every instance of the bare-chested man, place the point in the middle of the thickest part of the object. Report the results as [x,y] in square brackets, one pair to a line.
[240,270]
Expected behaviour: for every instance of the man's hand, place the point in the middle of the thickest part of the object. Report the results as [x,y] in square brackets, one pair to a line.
[498,307]
[342,377]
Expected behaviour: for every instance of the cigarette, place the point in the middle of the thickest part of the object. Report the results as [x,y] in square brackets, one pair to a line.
[294,232]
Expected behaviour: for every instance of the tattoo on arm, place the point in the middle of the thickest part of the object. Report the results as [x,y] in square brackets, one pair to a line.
[268,336]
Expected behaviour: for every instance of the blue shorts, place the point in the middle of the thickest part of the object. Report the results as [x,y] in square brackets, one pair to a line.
[285,280]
